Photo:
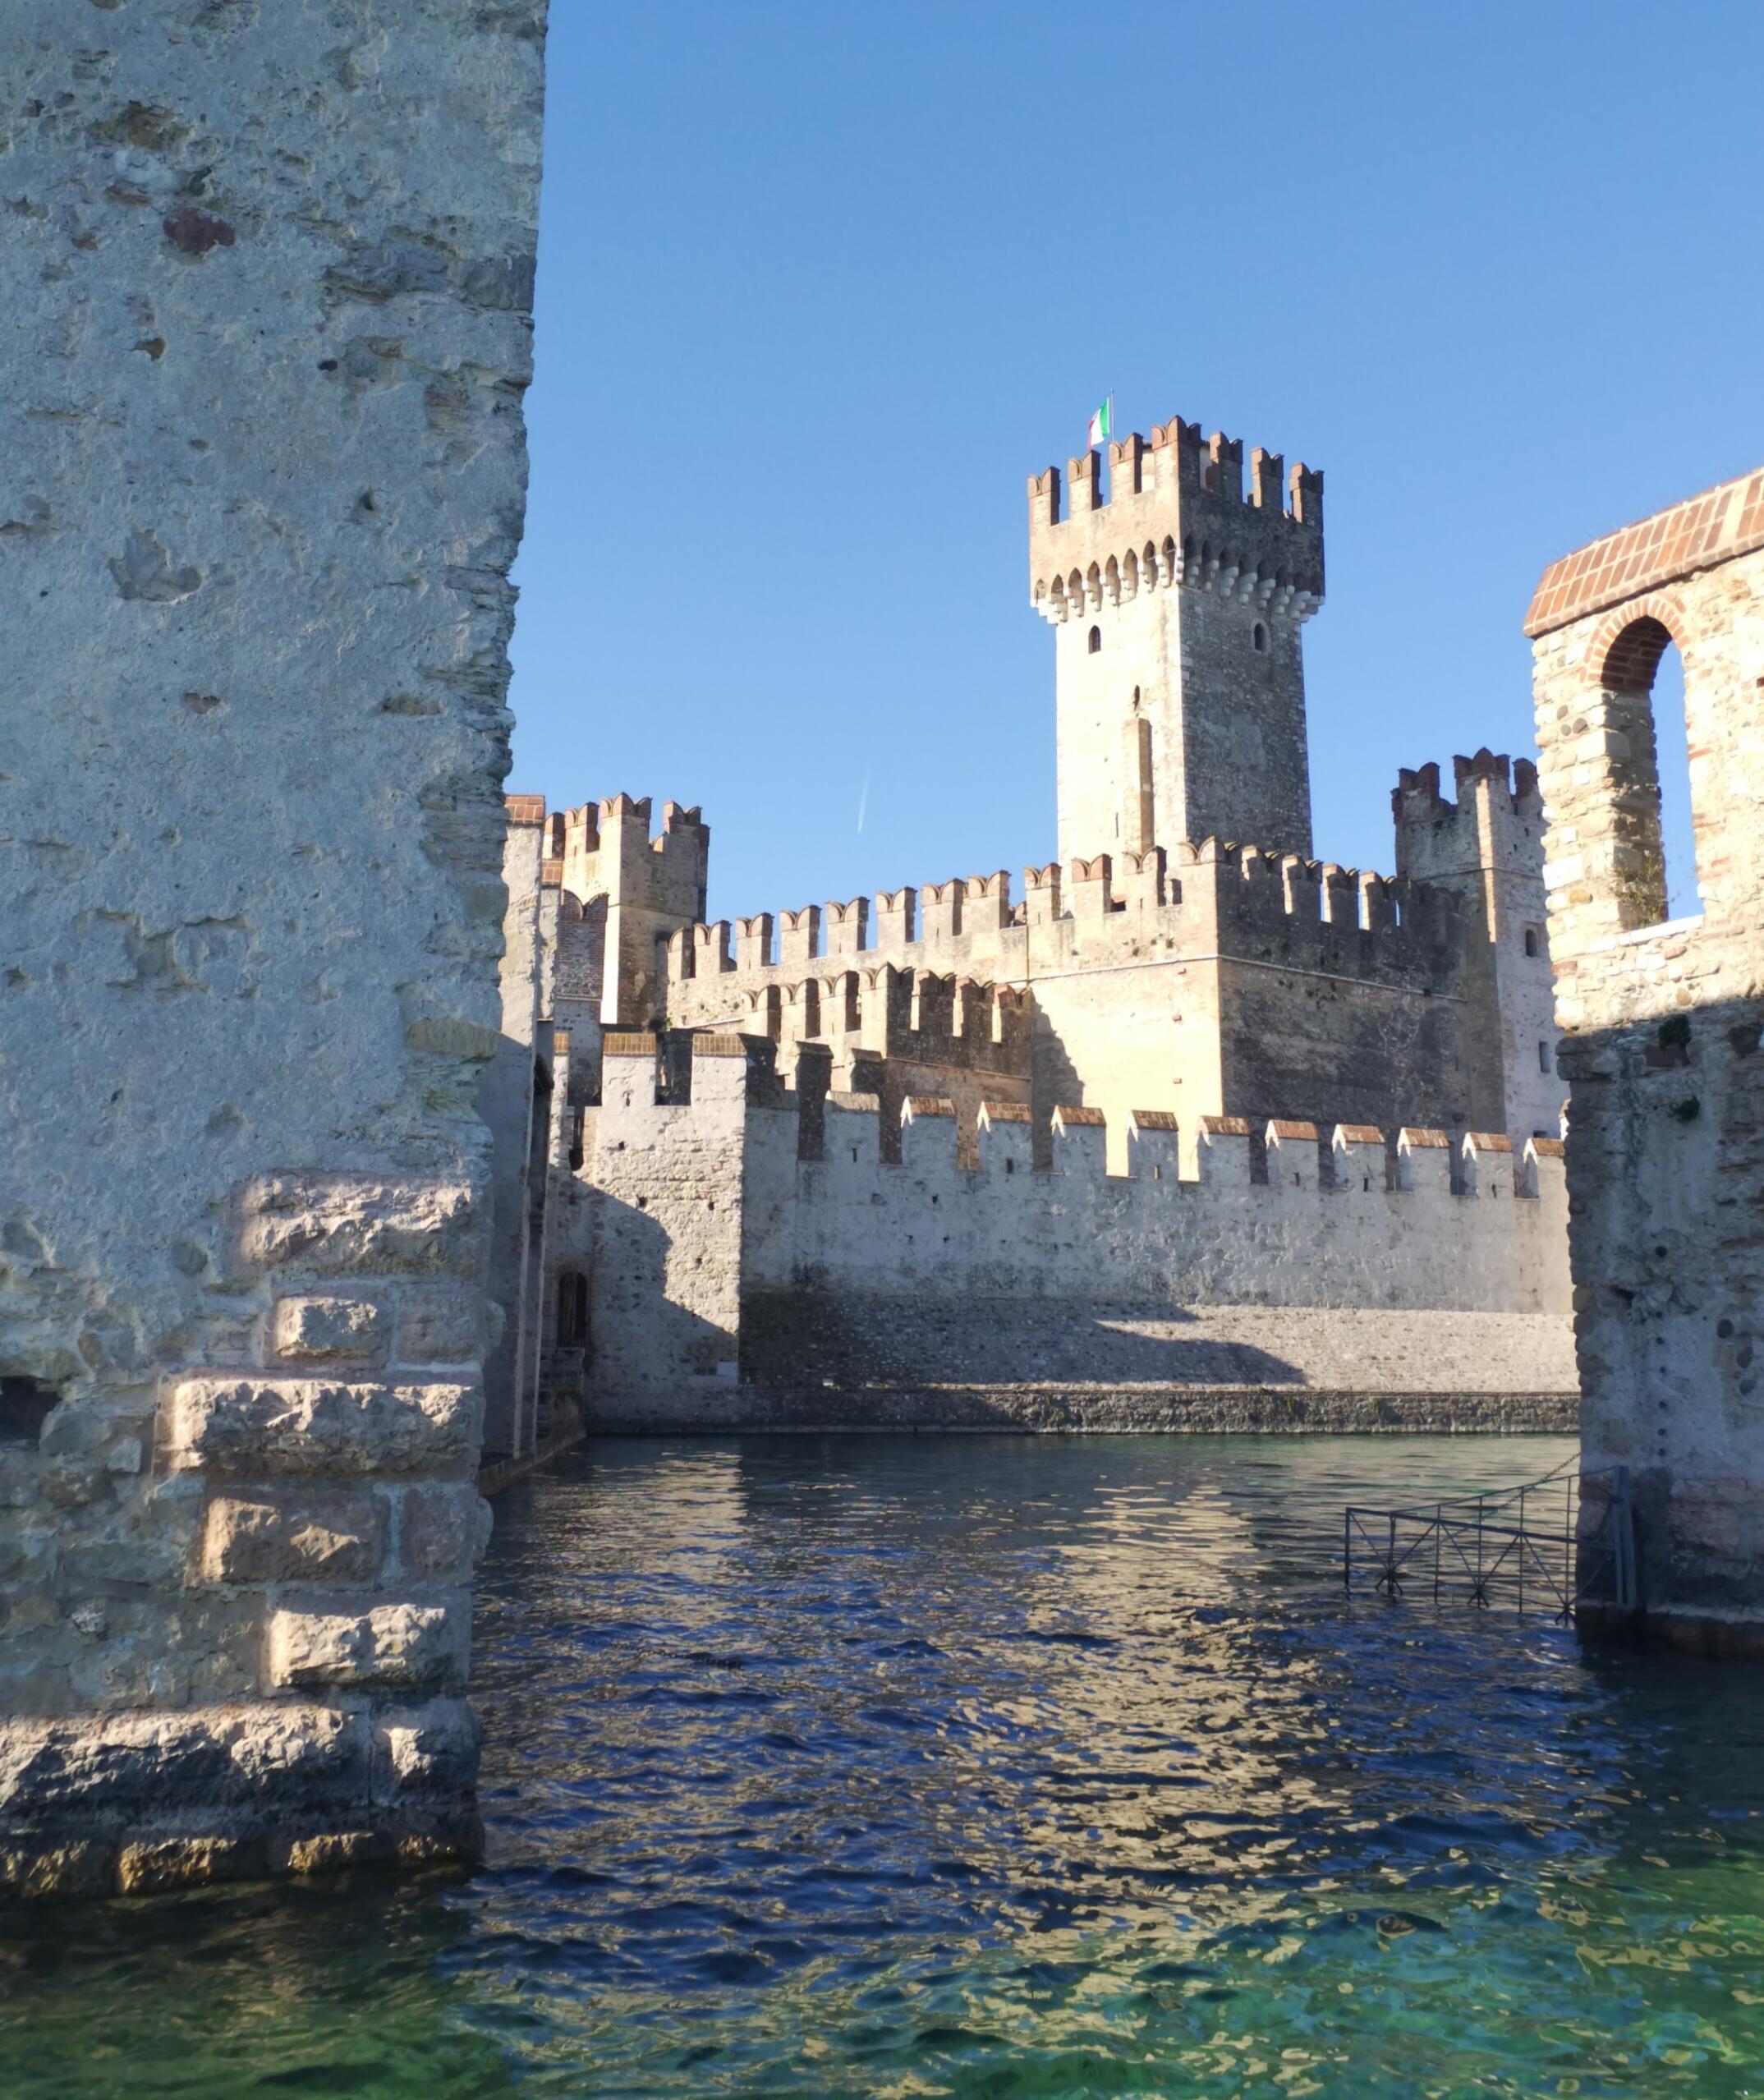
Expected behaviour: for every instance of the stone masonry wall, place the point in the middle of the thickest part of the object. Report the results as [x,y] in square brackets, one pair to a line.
[852,1221]
[267,283]
[659,1225]
[697,1214]
[1662,1025]
[1486,847]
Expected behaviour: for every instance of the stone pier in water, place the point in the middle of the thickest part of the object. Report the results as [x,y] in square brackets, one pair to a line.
[268,283]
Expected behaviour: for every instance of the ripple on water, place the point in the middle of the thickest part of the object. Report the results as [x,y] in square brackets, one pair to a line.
[889,1767]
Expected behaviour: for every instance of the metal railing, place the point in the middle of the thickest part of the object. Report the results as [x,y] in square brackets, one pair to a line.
[1551,1545]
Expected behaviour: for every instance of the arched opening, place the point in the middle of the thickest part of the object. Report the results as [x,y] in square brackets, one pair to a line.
[1259,639]
[1643,681]
[1096,640]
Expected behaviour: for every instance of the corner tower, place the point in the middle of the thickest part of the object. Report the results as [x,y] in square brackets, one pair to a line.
[1177,606]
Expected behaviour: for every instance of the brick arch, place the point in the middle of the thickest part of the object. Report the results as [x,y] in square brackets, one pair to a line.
[1631,640]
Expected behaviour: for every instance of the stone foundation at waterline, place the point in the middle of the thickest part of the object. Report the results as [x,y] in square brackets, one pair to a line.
[267,330]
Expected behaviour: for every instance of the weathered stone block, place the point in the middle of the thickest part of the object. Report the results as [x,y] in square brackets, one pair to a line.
[358,1224]
[148,1647]
[429,1750]
[441,1531]
[336,1849]
[329,1329]
[252,1423]
[448,1036]
[408,1646]
[177,1863]
[84,1868]
[119,1768]
[440,1325]
[317,1535]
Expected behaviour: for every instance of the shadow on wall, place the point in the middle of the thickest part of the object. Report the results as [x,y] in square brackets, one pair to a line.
[812,1337]
[641,1336]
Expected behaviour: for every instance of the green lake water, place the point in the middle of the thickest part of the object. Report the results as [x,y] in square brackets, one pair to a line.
[910,1766]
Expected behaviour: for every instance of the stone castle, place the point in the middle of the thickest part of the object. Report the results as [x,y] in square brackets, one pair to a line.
[301,1209]
[1188,1035]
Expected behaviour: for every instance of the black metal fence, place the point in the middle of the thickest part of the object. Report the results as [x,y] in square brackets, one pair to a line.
[1551,1545]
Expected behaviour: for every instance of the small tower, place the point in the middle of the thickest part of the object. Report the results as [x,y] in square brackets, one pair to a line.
[1487,847]
[647,888]
[1177,606]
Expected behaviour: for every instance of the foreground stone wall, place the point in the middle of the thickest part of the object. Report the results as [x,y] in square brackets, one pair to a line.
[1663,1021]
[266,331]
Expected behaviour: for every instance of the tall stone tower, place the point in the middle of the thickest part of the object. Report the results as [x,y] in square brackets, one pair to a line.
[1178,605]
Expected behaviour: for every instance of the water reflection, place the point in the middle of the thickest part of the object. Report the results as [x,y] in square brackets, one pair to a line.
[996,1765]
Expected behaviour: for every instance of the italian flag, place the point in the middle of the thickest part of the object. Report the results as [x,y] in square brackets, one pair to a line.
[1102,423]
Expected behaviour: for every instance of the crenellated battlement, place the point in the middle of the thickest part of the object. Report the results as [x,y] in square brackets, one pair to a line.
[883,1009]
[1203,895]
[1177,515]
[1262,893]
[1296,1153]
[605,848]
[1495,827]
[1486,784]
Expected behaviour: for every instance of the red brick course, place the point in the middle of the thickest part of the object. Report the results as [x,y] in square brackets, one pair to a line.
[1712,527]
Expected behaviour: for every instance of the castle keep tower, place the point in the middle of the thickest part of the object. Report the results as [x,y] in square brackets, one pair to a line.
[1178,604]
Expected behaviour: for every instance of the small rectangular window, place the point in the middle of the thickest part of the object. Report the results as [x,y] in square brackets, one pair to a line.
[1543,1057]
[1531,940]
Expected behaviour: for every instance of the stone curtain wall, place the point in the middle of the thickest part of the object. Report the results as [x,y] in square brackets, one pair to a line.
[695,1212]
[1662,1021]
[1151,1236]
[267,277]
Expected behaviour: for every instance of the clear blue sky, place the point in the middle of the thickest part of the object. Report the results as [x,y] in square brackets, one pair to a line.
[820,285]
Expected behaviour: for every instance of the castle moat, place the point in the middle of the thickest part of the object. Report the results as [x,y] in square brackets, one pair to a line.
[969,1766]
